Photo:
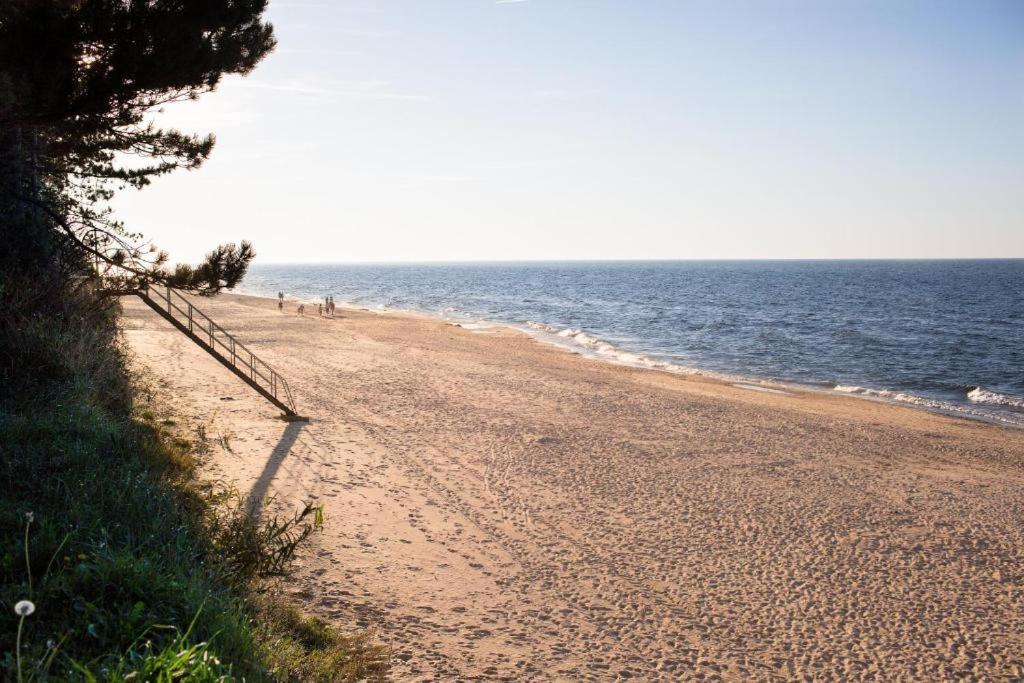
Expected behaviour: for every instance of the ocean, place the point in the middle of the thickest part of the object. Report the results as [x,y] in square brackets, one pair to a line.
[940,335]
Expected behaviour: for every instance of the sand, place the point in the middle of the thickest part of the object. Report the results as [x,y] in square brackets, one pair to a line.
[497,508]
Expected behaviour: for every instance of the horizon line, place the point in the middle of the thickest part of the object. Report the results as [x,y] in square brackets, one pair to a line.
[642,260]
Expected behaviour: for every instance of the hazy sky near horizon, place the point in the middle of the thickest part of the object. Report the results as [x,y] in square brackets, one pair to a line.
[412,130]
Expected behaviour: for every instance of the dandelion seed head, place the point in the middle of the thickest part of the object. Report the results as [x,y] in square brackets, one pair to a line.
[24,608]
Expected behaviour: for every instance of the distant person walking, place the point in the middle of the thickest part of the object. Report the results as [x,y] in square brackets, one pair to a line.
[280,301]
[302,309]
[330,306]
[320,310]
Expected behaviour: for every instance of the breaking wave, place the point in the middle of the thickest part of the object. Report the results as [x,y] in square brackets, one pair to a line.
[578,340]
[899,396]
[982,395]
[976,395]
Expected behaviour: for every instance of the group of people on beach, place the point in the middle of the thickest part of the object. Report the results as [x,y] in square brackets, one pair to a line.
[324,309]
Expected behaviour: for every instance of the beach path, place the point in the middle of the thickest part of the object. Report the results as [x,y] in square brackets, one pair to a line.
[498,508]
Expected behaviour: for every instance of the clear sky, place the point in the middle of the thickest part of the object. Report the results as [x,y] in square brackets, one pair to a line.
[413,130]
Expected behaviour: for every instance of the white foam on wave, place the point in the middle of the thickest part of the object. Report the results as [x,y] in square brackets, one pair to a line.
[579,340]
[947,407]
[982,395]
[585,340]
[900,396]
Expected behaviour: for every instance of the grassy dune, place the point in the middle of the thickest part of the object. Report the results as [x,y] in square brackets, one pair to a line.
[135,570]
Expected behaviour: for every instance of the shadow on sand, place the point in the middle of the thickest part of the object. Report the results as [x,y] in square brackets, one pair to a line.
[284,445]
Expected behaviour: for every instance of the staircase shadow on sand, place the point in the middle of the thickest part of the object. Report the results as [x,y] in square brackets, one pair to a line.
[258,493]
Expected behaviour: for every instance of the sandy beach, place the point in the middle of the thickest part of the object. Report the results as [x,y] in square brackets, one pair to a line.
[497,508]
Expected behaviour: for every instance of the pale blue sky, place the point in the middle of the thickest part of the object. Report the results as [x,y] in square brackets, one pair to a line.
[577,129]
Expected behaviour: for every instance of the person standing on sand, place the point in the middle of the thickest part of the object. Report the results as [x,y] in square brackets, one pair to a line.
[302,309]
[280,301]
[320,310]
[330,306]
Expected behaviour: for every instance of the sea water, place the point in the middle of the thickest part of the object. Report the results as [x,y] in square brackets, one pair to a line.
[941,335]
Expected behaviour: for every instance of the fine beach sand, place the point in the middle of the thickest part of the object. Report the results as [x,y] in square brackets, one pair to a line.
[499,508]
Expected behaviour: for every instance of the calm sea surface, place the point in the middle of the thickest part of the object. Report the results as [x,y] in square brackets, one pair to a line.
[944,335]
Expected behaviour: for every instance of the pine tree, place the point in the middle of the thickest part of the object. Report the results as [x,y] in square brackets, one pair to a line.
[77,81]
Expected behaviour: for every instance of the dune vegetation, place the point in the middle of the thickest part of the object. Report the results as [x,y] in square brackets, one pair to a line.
[133,567]
[116,561]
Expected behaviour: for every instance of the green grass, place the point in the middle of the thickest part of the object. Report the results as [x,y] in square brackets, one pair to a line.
[137,571]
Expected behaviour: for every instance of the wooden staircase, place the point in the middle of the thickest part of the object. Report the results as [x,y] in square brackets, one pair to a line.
[175,308]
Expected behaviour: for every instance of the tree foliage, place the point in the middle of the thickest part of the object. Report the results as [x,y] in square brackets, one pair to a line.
[79,82]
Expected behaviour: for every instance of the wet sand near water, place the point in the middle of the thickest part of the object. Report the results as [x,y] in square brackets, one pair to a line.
[501,509]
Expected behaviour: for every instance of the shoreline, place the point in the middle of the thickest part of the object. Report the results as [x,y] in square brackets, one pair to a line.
[550,335]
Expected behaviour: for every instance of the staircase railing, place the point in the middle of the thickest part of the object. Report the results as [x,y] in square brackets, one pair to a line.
[178,309]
